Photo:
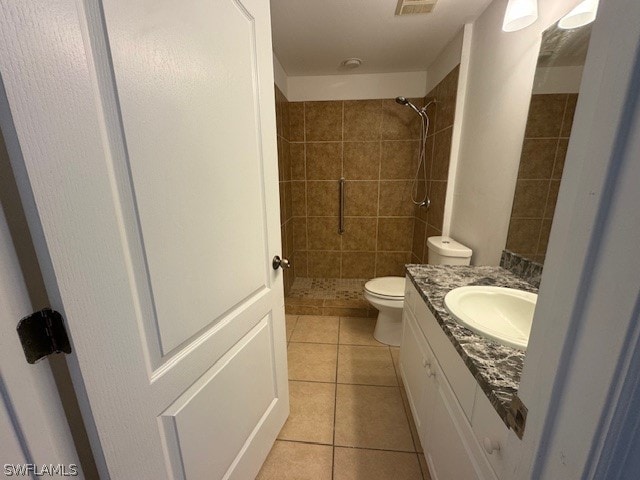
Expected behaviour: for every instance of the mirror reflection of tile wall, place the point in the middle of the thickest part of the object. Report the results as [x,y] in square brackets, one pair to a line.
[543,153]
[559,71]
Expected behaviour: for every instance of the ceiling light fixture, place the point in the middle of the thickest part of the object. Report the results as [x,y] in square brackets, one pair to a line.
[520,14]
[581,15]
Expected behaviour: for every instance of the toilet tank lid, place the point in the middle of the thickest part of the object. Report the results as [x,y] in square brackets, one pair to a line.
[448,247]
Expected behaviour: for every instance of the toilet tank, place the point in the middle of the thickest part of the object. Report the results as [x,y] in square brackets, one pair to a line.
[446,251]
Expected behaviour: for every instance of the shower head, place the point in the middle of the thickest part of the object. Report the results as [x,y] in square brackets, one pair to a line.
[404,101]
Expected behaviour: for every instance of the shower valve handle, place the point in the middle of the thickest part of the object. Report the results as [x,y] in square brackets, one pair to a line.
[278,262]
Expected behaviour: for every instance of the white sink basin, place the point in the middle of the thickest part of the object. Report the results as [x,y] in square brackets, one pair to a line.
[497,313]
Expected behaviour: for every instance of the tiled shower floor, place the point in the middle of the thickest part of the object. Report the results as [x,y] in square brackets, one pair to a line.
[328,296]
[349,413]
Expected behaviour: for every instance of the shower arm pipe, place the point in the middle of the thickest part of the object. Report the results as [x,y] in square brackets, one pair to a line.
[420,111]
[341,218]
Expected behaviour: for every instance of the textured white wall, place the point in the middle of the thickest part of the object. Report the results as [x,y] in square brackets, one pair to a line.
[501,73]
[445,61]
[280,76]
[357,86]
[455,53]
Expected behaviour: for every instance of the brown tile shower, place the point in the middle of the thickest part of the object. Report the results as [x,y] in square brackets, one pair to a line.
[287,205]
[429,222]
[373,145]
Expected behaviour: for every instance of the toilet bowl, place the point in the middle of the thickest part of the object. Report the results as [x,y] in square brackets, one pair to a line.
[386,294]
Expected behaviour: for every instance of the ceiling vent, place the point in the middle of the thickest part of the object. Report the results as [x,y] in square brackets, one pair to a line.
[410,7]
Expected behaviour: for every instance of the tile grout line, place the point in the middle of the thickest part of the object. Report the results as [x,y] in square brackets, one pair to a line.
[375,260]
[341,176]
[540,179]
[385,140]
[345,344]
[553,169]
[344,383]
[295,324]
[306,183]
[355,180]
[544,212]
[381,126]
[420,465]
[306,442]
[335,404]
[546,138]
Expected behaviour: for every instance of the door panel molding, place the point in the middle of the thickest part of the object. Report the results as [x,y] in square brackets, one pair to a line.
[256,390]
[133,183]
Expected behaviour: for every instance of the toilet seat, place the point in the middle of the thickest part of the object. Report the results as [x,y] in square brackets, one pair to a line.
[388,288]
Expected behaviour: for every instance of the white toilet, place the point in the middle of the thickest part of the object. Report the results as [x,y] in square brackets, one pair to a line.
[446,251]
[387,293]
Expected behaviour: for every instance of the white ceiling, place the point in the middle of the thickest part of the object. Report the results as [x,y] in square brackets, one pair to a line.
[313,37]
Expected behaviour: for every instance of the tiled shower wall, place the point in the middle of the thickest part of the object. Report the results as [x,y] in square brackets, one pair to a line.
[284,173]
[428,223]
[373,145]
[544,149]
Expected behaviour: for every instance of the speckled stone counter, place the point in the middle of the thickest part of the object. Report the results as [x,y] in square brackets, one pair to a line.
[522,267]
[496,368]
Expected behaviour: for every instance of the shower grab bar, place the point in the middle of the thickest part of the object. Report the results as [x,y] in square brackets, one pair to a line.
[341,219]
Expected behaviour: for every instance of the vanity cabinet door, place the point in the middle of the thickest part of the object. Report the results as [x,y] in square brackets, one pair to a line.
[462,382]
[414,355]
[411,295]
[449,454]
[490,431]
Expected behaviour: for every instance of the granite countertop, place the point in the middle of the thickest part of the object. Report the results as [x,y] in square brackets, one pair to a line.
[497,368]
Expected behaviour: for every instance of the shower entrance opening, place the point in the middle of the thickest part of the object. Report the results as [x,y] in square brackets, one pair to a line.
[328,296]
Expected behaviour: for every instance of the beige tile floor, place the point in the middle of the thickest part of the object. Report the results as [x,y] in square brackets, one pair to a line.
[349,418]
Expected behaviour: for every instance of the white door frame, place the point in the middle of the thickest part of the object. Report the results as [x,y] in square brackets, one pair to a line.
[34,425]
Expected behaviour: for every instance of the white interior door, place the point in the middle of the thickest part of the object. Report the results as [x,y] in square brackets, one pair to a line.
[149,174]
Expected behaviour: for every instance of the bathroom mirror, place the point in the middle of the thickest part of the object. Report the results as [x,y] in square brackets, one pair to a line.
[549,121]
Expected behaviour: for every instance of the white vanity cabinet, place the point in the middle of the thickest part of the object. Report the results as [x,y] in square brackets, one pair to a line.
[453,416]
[413,359]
